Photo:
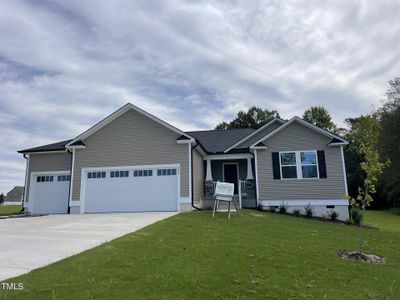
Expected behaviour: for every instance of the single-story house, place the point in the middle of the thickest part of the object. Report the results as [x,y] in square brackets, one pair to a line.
[133,161]
[15,196]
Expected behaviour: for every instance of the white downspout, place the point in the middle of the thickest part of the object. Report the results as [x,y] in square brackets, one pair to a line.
[190,172]
[256,165]
[72,178]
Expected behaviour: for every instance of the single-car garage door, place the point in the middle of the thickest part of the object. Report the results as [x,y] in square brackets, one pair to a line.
[130,189]
[49,193]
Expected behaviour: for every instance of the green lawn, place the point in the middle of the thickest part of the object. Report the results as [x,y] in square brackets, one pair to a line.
[7,210]
[384,220]
[256,255]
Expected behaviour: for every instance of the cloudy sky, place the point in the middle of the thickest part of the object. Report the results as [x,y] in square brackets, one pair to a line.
[64,65]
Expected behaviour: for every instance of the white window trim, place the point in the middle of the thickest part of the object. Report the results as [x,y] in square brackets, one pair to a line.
[280,165]
[299,165]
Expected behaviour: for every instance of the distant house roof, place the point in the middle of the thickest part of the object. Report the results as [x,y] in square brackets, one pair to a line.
[50,147]
[15,195]
[216,141]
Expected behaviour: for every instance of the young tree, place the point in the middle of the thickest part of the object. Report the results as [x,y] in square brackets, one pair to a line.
[365,133]
[2,197]
[353,158]
[255,117]
[320,117]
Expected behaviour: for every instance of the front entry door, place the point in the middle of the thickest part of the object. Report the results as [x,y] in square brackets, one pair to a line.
[231,175]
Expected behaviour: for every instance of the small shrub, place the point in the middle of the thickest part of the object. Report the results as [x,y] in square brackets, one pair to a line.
[260,207]
[272,209]
[282,208]
[297,212]
[356,215]
[309,210]
[333,215]
[349,222]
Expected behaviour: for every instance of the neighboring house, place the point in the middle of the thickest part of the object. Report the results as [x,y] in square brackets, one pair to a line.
[133,161]
[15,196]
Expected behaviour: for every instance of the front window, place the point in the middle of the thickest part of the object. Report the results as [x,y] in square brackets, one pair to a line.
[288,165]
[309,168]
[299,164]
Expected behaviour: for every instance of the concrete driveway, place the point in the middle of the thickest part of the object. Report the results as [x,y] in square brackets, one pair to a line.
[30,243]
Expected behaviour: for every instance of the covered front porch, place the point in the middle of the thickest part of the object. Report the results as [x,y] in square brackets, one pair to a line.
[233,168]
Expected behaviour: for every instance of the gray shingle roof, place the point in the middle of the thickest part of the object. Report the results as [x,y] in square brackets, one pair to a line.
[213,141]
[50,147]
[216,141]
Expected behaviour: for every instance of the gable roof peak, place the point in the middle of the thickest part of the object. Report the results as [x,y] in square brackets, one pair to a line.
[303,122]
[118,113]
[255,132]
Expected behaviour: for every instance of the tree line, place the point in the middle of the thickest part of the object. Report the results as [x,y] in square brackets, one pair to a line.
[373,154]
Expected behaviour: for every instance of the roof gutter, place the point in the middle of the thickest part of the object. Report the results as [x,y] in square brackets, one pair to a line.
[43,151]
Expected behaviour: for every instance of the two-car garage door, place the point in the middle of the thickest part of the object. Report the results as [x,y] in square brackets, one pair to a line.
[121,189]
[130,189]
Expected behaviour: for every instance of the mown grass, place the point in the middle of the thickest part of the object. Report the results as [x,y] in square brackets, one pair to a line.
[384,220]
[8,210]
[257,255]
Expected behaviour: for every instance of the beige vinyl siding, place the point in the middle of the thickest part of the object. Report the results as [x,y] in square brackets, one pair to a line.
[198,176]
[297,137]
[132,139]
[44,162]
[259,135]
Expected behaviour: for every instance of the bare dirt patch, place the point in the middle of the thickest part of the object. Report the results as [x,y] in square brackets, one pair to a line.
[361,256]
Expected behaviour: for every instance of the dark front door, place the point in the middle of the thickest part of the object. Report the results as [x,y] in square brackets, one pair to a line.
[231,175]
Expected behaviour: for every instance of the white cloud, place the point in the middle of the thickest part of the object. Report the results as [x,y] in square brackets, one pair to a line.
[66,65]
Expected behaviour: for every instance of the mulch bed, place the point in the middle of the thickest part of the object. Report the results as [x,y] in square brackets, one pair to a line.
[361,256]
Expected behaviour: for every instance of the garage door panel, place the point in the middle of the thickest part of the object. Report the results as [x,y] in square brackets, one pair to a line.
[144,193]
[50,197]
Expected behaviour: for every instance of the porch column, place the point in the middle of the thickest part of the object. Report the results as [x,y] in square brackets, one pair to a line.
[249,169]
[208,170]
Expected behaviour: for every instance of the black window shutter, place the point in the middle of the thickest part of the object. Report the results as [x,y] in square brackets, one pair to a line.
[275,165]
[321,164]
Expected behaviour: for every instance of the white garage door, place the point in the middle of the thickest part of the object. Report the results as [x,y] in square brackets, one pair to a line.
[49,193]
[131,189]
